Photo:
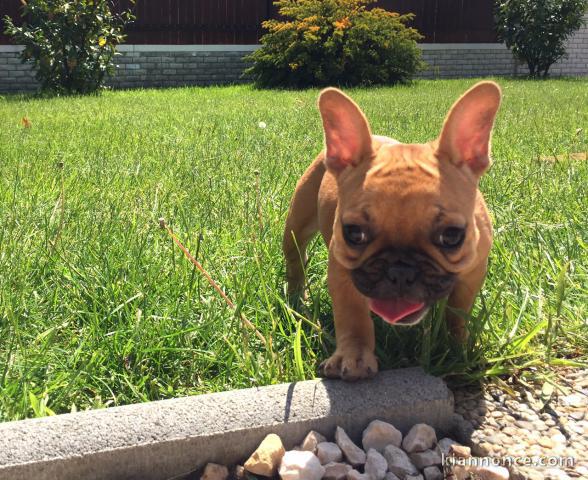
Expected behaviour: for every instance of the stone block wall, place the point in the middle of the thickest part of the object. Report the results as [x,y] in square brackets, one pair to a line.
[14,75]
[179,65]
[576,63]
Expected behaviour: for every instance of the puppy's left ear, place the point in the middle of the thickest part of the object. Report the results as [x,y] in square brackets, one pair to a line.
[348,139]
[465,137]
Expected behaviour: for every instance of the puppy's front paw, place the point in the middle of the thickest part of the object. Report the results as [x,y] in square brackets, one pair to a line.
[350,364]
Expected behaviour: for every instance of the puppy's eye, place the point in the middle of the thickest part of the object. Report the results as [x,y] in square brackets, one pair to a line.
[355,235]
[450,238]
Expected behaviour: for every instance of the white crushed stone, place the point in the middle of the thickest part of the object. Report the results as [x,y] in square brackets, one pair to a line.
[301,465]
[311,441]
[328,452]
[336,471]
[214,471]
[432,473]
[354,455]
[420,437]
[398,462]
[355,475]
[376,465]
[428,458]
[378,435]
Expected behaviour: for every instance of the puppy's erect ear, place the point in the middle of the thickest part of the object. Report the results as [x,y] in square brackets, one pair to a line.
[347,133]
[466,133]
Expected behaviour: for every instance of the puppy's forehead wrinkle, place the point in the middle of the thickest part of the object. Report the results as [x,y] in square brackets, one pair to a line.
[406,161]
[447,213]
[358,214]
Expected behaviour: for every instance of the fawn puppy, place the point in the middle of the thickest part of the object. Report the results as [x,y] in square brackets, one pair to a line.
[405,224]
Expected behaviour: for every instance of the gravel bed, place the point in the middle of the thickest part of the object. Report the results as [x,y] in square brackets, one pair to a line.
[500,424]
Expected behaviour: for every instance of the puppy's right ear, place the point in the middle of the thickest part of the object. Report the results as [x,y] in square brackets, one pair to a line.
[348,138]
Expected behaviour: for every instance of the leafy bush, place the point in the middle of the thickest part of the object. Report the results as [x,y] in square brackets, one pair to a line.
[536,30]
[71,43]
[325,42]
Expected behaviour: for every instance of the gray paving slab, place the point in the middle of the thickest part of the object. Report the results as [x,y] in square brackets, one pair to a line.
[165,439]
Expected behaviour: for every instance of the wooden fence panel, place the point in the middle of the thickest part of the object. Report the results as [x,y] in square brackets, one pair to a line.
[239,21]
[449,21]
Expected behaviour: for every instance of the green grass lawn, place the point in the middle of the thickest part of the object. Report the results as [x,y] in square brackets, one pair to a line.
[98,307]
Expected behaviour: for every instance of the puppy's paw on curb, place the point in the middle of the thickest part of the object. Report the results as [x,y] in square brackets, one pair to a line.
[350,365]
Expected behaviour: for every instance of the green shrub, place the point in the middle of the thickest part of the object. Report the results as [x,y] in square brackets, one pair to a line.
[325,42]
[71,43]
[536,30]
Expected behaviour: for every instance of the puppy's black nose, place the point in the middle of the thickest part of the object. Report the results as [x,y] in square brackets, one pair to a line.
[401,274]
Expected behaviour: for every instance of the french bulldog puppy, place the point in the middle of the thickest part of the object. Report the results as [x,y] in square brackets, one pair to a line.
[405,223]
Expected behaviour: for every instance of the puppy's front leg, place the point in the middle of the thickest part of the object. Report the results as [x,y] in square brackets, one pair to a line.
[354,357]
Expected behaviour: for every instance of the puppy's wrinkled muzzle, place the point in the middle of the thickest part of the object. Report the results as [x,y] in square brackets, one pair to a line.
[402,283]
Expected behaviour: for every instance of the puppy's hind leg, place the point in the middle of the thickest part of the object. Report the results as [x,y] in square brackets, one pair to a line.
[301,226]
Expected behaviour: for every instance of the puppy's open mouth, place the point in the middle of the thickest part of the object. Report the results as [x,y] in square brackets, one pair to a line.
[398,311]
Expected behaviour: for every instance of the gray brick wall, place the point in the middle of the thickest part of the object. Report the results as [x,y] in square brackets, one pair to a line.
[481,60]
[172,66]
[161,66]
[15,76]
[576,62]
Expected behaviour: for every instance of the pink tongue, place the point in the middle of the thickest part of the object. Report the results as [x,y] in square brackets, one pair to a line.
[394,310]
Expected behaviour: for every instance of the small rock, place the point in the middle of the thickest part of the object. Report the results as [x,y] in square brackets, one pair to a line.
[414,477]
[378,435]
[482,449]
[355,475]
[266,459]
[545,442]
[459,472]
[444,444]
[525,473]
[529,416]
[239,472]
[311,440]
[461,427]
[391,476]
[376,465]
[328,452]
[510,431]
[432,473]
[559,438]
[214,471]
[460,451]
[505,439]
[425,459]
[398,462]
[493,439]
[582,470]
[336,471]
[420,437]
[577,415]
[355,455]
[524,424]
[491,473]
[576,400]
[555,474]
[301,465]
